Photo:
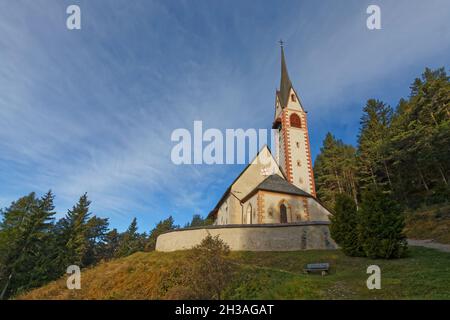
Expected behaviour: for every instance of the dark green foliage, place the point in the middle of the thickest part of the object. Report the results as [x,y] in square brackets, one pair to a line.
[111,246]
[203,274]
[34,250]
[404,151]
[381,225]
[373,135]
[24,243]
[160,228]
[76,233]
[130,241]
[198,221]
[336,170]
[344,226]
[97,229]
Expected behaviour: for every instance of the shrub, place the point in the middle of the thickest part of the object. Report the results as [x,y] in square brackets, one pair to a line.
[381,224]
[344,226]
[203,274]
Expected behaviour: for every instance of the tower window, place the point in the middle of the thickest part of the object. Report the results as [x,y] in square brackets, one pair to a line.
[293,98]
[295,121]
[298,163]
[297,144]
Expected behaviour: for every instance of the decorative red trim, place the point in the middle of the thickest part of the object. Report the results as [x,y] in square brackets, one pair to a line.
[305,204]
[287,145]
[260,204]
[312,184]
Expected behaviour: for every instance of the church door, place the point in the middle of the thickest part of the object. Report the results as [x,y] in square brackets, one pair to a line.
[283,214]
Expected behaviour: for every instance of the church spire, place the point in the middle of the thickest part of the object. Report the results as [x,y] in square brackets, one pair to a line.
[285,83]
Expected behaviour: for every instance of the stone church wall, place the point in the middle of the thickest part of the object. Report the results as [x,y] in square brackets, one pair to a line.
[276,237]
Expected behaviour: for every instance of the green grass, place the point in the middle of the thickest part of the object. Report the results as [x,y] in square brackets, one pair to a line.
[424,274]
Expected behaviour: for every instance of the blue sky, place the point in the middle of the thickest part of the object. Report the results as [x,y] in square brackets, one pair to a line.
[92,110]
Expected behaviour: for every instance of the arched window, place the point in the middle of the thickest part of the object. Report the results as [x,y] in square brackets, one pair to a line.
[248,215]
[293,98]
[295,121]
[283,214]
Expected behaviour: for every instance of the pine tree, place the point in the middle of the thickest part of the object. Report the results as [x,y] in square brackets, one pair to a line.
[381,224]
[372,139]
[344,226]
[161,227]
[112,242]
[97,229]
[335,171]
[75,230]
[198,221]
[130,241]
[24,243]
[420,135]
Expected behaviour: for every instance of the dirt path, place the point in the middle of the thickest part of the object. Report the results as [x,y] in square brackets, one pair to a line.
[430,244]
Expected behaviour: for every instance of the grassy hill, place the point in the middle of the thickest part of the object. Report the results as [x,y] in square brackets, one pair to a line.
[424,274]
[429,223]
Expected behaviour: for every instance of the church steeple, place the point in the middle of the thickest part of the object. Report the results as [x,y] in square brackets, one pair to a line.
[285,82]
[293,150]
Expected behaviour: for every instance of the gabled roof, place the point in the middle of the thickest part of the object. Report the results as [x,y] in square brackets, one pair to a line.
[228,191]
[275,183]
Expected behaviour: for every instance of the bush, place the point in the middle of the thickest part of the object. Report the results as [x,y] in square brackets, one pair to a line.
[344,226]
[381,224]
[203,274]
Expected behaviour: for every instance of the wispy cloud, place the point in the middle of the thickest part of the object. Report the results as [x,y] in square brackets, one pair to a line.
[93,110]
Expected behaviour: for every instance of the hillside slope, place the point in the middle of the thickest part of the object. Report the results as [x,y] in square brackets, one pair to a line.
[430,223]
[425,274]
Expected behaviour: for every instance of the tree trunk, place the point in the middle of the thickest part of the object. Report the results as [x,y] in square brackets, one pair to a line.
[373,177]
[422,178]
[353,186]
[338,182]
[442,174]
[6,287]
[387,174]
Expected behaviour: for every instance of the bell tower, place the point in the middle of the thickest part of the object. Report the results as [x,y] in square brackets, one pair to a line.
[294,152]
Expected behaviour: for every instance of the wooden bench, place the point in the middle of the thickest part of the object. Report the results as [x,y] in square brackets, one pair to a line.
[323,268]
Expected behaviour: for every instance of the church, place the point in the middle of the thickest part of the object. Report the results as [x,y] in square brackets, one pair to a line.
[272,204]
[276,189]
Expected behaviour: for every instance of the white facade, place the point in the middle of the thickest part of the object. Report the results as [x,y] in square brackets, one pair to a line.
[294,200]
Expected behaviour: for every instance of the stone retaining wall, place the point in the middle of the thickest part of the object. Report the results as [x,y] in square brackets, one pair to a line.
[251,237]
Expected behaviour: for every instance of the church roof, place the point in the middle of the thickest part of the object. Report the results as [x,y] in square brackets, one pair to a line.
[285,82]
[275,183]
[227,192]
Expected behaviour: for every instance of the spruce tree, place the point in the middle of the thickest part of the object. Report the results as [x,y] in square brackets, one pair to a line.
[335,171]
[112,242]
[344,226]
[76,231]
[161,227]
[381,224]
[24,243]
[372,139]
[130,241]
